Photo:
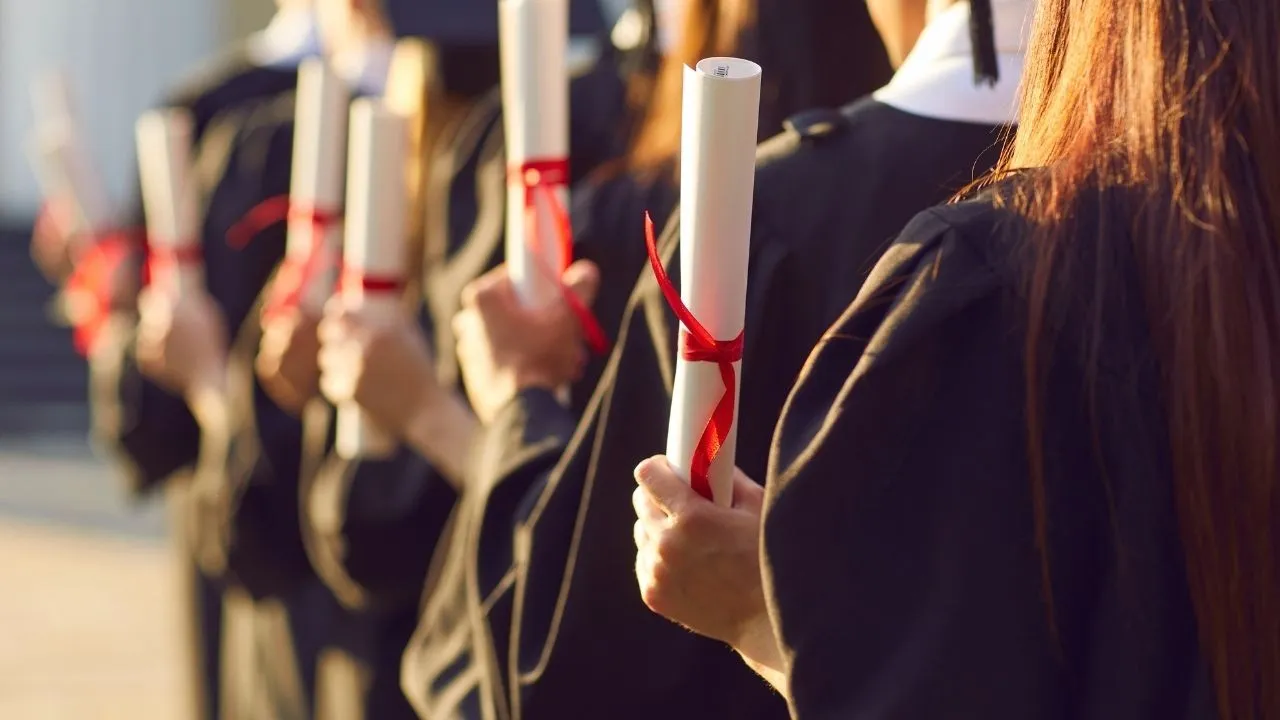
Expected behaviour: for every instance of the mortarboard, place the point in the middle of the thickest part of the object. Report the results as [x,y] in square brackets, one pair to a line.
[986,71]
[473,22]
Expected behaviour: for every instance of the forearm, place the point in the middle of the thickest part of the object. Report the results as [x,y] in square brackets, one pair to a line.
[207,399]
[759,649]
[444,433]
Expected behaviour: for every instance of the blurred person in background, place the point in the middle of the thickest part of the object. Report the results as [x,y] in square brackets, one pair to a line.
[292,650]
[460,662]
[859,172]
[148,431]
[1032,472]
[372,524]
[264,64]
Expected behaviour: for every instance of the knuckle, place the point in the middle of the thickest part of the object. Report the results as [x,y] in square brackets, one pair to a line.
[668,550]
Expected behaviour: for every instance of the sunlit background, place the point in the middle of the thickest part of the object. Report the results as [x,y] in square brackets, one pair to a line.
[89,627]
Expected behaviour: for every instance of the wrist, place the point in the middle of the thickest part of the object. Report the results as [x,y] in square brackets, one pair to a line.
[208,404]
[758,645]
[443,430]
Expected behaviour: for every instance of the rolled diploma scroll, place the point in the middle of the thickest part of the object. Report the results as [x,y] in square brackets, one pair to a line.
[374,248]
[169,196]
[717,177]
[69,178]
[534,38]
[319,177]
[62,163]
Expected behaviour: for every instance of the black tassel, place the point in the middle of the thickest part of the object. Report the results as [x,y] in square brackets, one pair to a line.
[986,71]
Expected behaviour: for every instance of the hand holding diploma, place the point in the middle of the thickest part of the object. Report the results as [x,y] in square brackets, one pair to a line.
[698,564]
[182,339]
[374,258]
[505,346]
[286,362]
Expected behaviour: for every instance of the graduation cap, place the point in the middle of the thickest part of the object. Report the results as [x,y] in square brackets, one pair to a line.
[986,71]
[473,22]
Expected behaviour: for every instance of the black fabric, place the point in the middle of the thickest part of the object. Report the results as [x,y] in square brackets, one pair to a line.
[360,548]
[899,535]
[563,632]
[248,483]
[608,229]
[246,509]
[149,431]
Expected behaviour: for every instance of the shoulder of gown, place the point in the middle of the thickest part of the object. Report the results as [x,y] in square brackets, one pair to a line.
[900,534]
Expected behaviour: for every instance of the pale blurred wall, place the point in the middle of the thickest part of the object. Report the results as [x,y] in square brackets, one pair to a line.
[246,16]
[120,56]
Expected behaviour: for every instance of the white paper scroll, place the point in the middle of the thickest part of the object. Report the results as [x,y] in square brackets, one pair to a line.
[534,36]
[374,249]
[319,178]
[717,178]
[62,162]
[169,195]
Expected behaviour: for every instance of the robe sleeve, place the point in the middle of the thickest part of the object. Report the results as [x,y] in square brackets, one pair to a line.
[519,451]
[148,431]
[899,545]
[371,526]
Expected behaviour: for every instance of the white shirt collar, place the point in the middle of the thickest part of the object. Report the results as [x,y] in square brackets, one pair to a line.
[365,70]
[290,37]
[936,80]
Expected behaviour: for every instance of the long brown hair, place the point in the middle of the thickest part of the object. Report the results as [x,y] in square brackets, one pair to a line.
[1171,105]
[815,53]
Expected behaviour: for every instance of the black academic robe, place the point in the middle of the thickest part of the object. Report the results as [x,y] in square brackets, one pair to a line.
[149,432]
[371,511]
[537,615]
[899,530]
[605,231]
[305,654]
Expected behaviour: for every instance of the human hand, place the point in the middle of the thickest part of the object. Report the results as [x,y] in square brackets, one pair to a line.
[698,564]
[504,347]
[182,340]
[287,364]
[383,365]
[53,243]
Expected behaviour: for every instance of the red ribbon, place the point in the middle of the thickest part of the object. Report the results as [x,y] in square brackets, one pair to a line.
[355,277]
[166,262]
[295,274]
[698,345]
[548,176]
[88,289]
[96,259]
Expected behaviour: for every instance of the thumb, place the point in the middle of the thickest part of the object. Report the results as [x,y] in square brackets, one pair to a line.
[666,488]
[583,280]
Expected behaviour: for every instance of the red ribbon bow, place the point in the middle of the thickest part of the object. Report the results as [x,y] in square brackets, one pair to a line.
[295,273]
[548,176]
[698,345]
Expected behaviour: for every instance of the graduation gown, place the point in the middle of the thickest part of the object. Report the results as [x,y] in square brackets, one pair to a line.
[298,652]
[899,531]
[541,617]
[149,432]
[366,513]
